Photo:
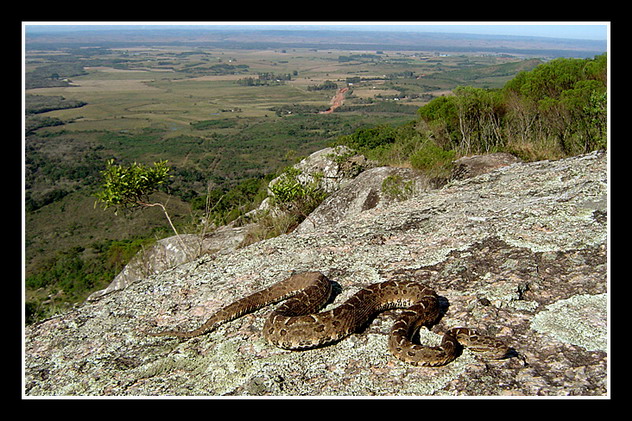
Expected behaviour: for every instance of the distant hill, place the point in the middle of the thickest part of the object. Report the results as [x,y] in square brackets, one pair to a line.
[322,39]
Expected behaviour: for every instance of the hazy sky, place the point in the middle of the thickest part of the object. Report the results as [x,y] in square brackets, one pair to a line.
[587,31]
[576,30]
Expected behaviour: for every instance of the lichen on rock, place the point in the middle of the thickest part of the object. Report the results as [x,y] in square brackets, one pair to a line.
[578,320]
[502,249]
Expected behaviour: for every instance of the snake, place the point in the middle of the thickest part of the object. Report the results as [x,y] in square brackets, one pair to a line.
[296,324]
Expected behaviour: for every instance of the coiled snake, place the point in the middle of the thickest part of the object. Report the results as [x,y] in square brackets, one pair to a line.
[296,325]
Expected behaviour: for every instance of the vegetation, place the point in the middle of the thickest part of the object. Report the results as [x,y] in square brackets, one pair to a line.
[265,79]
[557,109]
[327,85]
[221,206]
[71,275]
[129,187]
[54,74]
[370,138]
[296,196]
[36,104]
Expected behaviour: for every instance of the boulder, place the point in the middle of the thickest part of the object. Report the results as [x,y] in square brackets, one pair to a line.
[519,253]
[471,166]
[375,187]
[334,167]
[173,251]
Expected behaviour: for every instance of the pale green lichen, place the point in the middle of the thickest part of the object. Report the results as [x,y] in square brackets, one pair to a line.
[580,320]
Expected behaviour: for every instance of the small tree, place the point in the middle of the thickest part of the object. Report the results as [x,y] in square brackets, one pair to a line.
[129,187]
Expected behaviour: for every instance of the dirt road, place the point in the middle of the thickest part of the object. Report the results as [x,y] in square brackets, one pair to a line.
[336,101]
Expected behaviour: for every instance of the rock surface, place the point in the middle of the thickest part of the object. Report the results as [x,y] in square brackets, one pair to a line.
[373,188]
[519,253]
[173,251]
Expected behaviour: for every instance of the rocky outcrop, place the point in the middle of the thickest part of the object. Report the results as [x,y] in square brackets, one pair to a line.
[173,251]
[332,168]
[473,165]
[376,187]
[519,253]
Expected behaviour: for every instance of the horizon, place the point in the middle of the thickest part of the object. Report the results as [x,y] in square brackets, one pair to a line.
[590,31]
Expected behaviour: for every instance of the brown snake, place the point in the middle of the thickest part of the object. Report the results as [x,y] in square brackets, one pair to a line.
[296,325]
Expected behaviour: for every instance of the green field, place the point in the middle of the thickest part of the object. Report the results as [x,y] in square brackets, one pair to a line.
[193,107]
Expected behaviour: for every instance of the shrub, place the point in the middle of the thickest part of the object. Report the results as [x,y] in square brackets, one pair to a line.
[130,186]
[433,160]
[370,138]
[295,196]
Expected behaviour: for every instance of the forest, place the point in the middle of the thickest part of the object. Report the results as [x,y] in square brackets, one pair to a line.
[555,110]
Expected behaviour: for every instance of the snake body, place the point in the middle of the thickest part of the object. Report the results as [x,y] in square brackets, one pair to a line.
[297,325]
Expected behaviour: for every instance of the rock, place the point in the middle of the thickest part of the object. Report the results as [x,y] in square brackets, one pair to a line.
[332,168]
[519,253]
[170,252]
[335,167]
[376,187]
[471,166]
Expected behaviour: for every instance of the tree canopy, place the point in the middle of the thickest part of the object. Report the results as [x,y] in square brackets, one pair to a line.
[562,102]
[130,186]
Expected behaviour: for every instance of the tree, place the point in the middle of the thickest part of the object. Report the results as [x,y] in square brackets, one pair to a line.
[129,187]
[479,114]
[586,106]
[370,138]
[440,116]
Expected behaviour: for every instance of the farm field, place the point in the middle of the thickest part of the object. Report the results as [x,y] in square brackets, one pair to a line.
[159,88]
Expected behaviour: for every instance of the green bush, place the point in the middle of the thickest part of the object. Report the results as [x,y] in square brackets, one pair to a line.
[432,159]
[296,197]
[129,186]
[370,138]
[290,192]
[560,103]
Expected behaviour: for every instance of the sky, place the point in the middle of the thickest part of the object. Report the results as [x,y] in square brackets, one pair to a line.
[587,31]
[573,30]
